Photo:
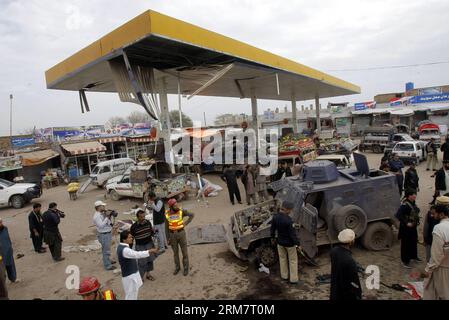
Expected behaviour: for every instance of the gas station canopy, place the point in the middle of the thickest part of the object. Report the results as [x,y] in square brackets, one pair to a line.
[194,61]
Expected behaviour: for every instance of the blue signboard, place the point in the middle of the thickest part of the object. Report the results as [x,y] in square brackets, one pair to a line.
[23,142]
[364,105]
[430,98]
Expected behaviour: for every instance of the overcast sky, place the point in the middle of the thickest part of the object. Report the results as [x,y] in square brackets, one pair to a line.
[326,34]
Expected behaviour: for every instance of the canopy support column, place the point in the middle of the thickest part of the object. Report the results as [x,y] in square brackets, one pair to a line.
[318,119]
[255,122]
[294,118]
[165,123]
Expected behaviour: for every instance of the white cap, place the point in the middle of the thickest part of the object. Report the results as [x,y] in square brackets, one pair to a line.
[99,203]
[346,236]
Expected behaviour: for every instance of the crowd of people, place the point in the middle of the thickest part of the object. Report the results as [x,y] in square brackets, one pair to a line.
[140,245]
[138,248]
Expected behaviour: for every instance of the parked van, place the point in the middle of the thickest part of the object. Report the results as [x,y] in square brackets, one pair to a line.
[106,170]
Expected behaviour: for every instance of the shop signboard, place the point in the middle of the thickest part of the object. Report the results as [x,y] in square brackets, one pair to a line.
[341,122]
[365,105]
[430,91]
[430,98]
[43,135]
[20,142]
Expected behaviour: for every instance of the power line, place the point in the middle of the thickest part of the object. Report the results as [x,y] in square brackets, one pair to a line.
[390,67]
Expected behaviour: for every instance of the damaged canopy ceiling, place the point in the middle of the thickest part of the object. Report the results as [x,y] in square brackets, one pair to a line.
[201,62]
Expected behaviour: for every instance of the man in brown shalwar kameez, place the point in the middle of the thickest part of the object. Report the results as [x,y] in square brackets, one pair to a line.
[436,287]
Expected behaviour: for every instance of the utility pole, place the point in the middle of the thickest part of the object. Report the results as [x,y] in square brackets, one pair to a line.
[204,116]
[10,120]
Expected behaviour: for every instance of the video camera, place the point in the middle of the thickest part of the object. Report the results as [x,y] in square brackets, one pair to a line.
[111,213]
[60,213]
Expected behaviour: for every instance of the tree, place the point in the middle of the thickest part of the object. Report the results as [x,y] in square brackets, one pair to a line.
[115,121]
[138,117]
[174,119]
[226,118]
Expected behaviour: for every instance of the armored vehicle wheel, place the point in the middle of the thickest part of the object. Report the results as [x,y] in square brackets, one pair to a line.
[267,254]
[377,149]
[378,236]
[350,217]
[115,196]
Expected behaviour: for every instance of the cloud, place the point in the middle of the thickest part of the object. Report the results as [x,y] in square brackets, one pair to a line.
[325,34]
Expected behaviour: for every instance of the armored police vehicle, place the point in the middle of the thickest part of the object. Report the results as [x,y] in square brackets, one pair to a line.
[327,200]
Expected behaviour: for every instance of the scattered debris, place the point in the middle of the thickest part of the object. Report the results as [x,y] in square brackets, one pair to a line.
[20,255]
[264,269]
[211,233]
[116,271]
[94,246]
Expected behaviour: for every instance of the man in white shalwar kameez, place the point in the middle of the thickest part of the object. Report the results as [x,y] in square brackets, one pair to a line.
[436,287]
[127,258]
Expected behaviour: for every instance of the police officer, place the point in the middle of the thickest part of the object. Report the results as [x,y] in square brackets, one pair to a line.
[287,242]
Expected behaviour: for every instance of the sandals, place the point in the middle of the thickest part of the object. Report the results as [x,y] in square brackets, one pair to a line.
[150,277]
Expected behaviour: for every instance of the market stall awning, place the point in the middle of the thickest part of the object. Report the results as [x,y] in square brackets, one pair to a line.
[140,139]
[112,139]
[206,63]
[37,157]
[84,147]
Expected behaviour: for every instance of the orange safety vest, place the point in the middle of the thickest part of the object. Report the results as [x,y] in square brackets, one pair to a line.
[175,221]
[109,295]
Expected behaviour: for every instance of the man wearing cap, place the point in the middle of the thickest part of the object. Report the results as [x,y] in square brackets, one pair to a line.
[177,234]
[408,216]
[345,282]
[437,269]
[287,242]
[103,223]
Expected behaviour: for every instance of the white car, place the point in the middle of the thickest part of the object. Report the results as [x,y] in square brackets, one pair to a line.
[17,194]
[410,151]
[340,160]
[121,186]
[106,170]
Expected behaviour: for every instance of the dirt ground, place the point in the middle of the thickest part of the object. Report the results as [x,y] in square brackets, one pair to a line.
[215,272]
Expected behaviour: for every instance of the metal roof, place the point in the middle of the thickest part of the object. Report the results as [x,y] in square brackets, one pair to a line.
[167,44]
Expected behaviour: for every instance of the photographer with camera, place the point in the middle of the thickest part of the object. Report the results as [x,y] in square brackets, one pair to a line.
[103,221]
[52,237]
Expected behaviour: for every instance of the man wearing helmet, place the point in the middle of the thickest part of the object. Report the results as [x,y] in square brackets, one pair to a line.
[177,235]
[90,289]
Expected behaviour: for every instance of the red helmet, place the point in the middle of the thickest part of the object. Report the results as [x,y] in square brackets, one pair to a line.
[172,202]
[88,285]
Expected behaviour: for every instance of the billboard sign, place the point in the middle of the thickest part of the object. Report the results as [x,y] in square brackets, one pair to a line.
[20,142]
[365,105]
[430,98]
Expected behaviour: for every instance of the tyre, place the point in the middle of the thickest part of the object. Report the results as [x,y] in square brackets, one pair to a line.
[114,195]
[350,217]
[267,254]
[378,236]
[17,201]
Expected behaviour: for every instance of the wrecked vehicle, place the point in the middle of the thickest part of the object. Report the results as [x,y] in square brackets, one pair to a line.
[327,200]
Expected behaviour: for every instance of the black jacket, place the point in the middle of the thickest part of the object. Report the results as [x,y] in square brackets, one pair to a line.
[283,224]
[230,177]
[411,180]
[431,147]
[445,149]
[280,172]
[408,212]
[35,222]
[440,180]
[51,221]
[429,224]
[345,282]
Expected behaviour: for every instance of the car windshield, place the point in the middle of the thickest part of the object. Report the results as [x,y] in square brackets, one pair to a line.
[6,183]
[96,169]
[404,147]
[434,132]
